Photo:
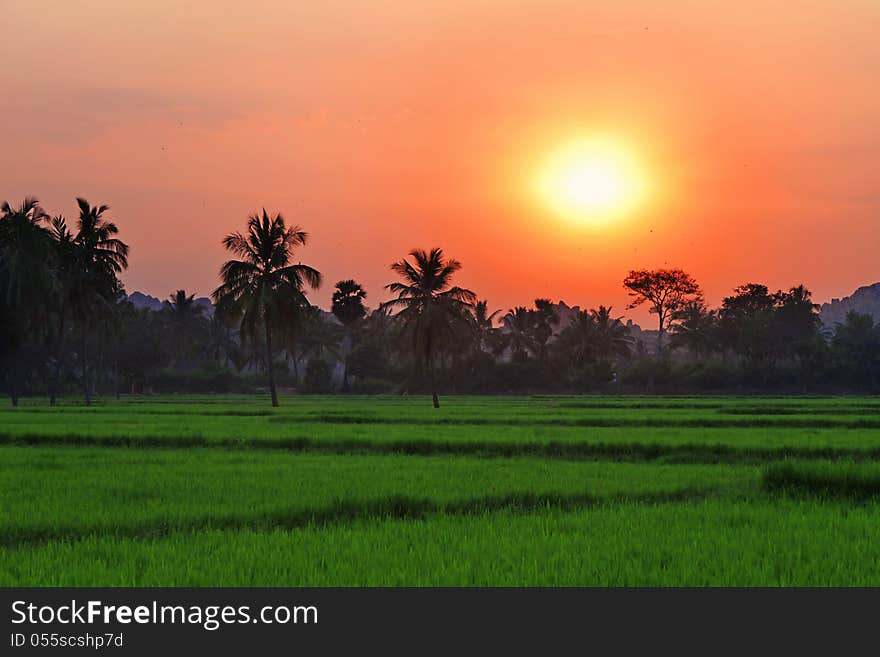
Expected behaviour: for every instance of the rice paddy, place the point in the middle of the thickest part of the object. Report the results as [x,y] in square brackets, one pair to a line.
[385,491]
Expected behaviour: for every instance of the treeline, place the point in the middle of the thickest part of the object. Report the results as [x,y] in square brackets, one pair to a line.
[66,327]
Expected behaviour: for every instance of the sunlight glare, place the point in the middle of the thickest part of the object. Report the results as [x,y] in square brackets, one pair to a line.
[591,180]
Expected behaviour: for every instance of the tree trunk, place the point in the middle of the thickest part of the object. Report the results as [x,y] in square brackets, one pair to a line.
[660,337]
[85,368]
[14,392]
[272,390]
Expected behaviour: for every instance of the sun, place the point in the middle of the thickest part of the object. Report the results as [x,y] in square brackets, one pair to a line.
[591,179]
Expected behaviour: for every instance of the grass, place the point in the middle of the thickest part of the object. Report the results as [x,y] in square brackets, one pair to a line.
[824,480]
[222,490]
[62,493]
[714,542]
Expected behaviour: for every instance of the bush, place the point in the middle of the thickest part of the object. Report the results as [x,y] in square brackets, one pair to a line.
[198,381]
[373,386]
[318,378]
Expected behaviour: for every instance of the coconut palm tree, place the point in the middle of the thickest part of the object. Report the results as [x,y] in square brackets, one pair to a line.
[25,282]
[187,320]
[99,257]
[348,306]
[64,247]
[428,305]
[577,342]
[517,326]
[264,288]
[856,345]
[695,328]
[543,320]
[482,326]
[612,335]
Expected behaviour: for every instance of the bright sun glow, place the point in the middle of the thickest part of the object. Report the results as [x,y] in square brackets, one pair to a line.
[591,180]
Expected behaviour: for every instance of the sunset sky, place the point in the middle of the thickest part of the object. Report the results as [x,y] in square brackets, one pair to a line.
[754,128]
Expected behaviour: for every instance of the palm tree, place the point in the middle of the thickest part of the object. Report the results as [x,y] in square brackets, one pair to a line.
[348,306]
[99,257]
[595,334]
[25,281]
[186,318]
[219,343]
[612,335]
[64,246]
[429,306]
[24,248]
[517,325]
[264,287]
[856,345]
[544,318]
[348,302]
[578,341]
[482,325]
[695,328]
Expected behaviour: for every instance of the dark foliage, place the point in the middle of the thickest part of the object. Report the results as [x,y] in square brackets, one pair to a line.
[66,326]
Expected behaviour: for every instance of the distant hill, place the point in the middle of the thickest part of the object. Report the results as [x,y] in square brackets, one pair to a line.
[865,300]
[140,300]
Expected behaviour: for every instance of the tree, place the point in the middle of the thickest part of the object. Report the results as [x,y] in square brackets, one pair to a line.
[744,321]
[428,305]
[65,261]
[543,320]
[666,291]
[264,288]
[374,355]
[797,317]
[694,327]
[320,337]
[612,335]
[186,319]
[348,302]
[577,341]
[517,325]
[482,326]
[98,258]
[347,305]
[593,338]
[856,346]
[25,281]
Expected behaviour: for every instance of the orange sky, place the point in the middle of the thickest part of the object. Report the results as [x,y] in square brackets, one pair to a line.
[381,126]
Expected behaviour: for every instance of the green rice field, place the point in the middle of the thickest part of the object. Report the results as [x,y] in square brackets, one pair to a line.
[386,491]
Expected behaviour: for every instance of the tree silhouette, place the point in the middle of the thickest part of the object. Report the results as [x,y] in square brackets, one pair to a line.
[264,288]
[543,320]
[856,345]
[186,319]
[66,275]
[695,328]
[666,291]
[98,258]
[612,335]
[593,336]
[348,302]
[482,326]
[428,305]
[347,305]
[25,277]
[518,337]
